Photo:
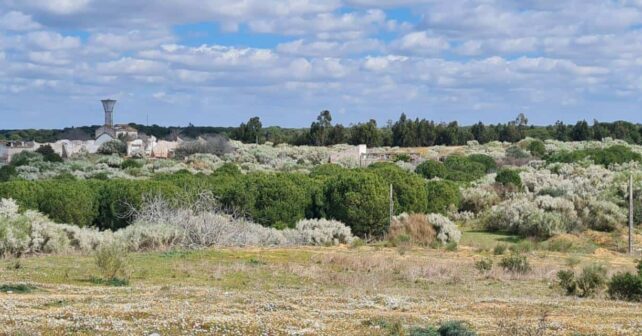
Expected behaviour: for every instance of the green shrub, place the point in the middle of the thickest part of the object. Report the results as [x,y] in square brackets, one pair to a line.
[431,169]
[514,152]
[111,260]
[7,173]
[19,288]
[487,161]
[24,158]
[409,193]
[509,177]
[484,265]
[131,163]
[451,246]
[48,154]
[67,201]
[617,154]
[553,192]
[537,148]
[403,157]
[455,328]
[626,286]
[500,249]
[359,199]
[591,280]
[461,168]
[442,195]
[117,199]
[273,199]
[515,263]
[327,170]
[566,280]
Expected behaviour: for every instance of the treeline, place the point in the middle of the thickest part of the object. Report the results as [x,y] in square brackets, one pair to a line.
[357,197]
[405,132]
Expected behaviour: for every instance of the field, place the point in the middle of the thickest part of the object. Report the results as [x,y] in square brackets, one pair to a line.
[363,290]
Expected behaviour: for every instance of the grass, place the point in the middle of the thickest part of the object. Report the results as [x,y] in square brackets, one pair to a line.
[306,291]
[18,289]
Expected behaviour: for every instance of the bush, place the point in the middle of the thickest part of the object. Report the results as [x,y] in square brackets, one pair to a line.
[617,154]
[441,196]
[461,168]
[409,193]
[270,199]
[131,163]
[217,145]
[323,232]
[537,148]
[7,173]
[478,199]
[403,157]
[48,154]
[566,280]
[67,201]
[626,286]
[431,169]
[111,260]
[591,280]
[113,147]
[359,199]
[515,263]
[455,328]
[487,161]
[415,226]
[514,152]
[484,265]
[25,158]
[447,231]
[509,177]
[500,249]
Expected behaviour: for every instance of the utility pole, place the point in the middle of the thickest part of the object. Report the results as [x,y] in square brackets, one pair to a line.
[392,204]
[631,214]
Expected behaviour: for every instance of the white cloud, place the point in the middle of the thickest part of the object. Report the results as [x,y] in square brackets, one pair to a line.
[422,43]
[52,41]
[18,21]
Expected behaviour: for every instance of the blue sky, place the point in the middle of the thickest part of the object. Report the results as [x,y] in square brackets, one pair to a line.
[220,62]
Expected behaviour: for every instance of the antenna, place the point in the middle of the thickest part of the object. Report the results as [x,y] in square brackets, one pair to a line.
[108,105]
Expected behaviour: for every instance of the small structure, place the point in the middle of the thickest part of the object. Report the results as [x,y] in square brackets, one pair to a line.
[10,148]
[109,131]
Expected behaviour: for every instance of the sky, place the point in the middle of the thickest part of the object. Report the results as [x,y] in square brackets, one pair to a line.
[220,62]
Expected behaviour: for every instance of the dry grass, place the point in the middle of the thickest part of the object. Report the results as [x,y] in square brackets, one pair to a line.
[416,227]
[306,291]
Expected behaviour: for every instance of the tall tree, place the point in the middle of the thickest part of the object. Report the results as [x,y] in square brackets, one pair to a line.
[319,129]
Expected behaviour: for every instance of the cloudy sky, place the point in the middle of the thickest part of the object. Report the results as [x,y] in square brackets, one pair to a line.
[219,62]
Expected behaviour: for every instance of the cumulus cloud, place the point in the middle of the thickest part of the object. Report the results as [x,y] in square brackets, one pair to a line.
[369,58]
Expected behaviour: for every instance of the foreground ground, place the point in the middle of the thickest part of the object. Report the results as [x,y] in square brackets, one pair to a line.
[306,291]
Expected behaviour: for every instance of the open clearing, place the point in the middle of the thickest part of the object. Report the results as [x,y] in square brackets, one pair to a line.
[305,291]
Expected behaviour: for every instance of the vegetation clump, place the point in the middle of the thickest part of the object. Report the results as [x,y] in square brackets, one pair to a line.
[515,263]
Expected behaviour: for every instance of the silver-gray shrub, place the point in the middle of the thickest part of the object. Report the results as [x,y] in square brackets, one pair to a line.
[199,224]
[447,231]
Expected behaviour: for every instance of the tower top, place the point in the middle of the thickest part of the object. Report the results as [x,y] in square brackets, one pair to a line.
[108,106]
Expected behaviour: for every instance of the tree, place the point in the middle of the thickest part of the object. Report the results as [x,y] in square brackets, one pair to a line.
[320,129]
[581,131]
[48,154]
[366,133]
[250,132]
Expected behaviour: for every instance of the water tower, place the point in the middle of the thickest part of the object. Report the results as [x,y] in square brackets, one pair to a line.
[108,105]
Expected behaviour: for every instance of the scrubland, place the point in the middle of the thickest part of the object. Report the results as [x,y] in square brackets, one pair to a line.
[508,239]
